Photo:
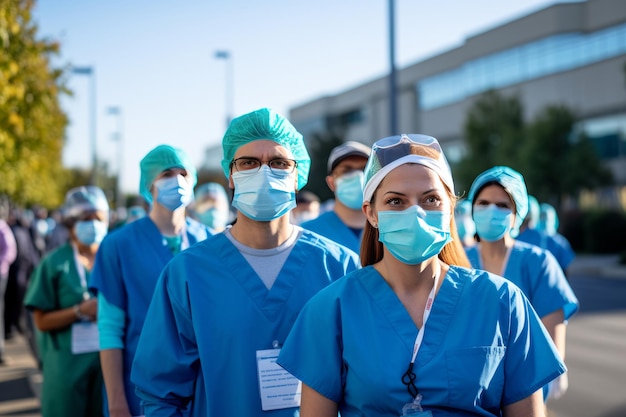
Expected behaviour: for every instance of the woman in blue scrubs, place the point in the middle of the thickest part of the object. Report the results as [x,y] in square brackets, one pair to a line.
[64,310]
[415,331]
[223,308]
[499,204]
[129,262]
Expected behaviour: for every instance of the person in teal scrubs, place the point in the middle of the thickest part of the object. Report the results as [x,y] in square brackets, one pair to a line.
[499,205]
[416,331]
[64,310]
[344,223]
[129,262]
[223,308]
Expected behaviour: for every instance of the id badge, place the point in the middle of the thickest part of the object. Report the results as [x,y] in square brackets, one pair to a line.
[278,388]
[85,337]
[411,409]
[415,409]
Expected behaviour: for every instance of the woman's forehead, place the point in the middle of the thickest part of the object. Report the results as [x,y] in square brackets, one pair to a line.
[412,177]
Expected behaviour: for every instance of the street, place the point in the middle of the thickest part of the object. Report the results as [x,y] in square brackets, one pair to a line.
[596,351]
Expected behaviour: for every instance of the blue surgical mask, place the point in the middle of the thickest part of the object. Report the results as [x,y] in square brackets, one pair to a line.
[414,235]
[174,192]
[492,222]
[350,189]
[264,195]
[89,232]
[214,218]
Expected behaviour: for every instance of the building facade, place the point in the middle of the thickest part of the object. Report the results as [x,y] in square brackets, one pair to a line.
[571,54]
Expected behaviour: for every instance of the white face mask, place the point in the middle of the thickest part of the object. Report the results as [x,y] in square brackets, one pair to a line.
[264,195]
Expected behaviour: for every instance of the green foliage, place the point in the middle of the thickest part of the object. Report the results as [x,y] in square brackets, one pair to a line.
[551,155]
[595,231]
[32,123]
[552,159]
[493,132]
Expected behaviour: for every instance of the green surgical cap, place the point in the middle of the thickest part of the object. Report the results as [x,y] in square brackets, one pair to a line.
[266,124]
[159,159]
[513,182]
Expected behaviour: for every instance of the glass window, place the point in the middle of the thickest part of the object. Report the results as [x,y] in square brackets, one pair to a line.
[526,62]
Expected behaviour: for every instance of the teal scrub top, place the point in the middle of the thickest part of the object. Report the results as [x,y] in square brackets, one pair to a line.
[484,347]
[72,383]
[209,316]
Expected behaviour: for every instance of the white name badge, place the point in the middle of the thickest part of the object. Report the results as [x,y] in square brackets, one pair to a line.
[85,337]
[278,388]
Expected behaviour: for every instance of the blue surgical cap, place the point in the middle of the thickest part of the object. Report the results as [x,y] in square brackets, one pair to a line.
[159,159]
[266,124]
[513,182]
[82,200]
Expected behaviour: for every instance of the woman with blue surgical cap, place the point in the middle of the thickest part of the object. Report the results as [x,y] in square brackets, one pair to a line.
[223,308]
[415,331]
[500,203]
[210,206]
[64,310]
[130,261]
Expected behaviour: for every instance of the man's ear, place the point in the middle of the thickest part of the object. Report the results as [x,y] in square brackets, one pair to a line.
[330,181]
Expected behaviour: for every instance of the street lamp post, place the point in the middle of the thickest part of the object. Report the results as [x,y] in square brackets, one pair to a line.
[228,88]
[393,100]
[117,136]
[91,72]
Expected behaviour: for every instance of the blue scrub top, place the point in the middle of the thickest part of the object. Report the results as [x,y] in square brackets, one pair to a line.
[128,264]
[539,275]
[330,225]
[353,342]
[210,314]
[557,244]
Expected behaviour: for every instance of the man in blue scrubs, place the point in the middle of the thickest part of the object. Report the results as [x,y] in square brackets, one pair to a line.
[129,262]
[223,308]
[345,222]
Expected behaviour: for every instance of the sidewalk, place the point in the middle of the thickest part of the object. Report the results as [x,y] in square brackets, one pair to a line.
[603,266]
[20,380]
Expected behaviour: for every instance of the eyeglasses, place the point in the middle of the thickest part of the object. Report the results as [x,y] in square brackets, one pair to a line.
[246,164]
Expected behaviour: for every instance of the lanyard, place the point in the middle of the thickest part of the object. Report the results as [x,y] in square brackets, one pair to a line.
[81,273]
[409,377]
[427,309]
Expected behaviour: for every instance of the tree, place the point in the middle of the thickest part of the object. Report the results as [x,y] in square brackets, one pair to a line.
[32,123]
[555,161]
[493,133]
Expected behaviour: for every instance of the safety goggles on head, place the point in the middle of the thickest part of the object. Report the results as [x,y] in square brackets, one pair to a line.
[390,152]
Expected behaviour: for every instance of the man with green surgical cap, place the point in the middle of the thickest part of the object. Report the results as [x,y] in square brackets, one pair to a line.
[129,262]
[223,308]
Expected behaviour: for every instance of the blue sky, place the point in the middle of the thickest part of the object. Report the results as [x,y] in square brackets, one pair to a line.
[154,59]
